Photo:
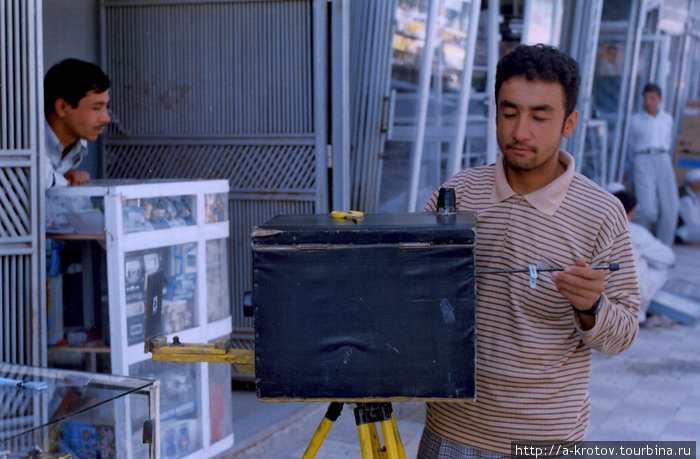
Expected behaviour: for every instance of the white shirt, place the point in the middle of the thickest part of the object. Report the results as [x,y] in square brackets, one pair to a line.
[647,131]
[652,259]
[57,166]
[689,211]
[610,69]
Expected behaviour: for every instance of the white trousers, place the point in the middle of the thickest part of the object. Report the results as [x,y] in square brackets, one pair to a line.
[657,195]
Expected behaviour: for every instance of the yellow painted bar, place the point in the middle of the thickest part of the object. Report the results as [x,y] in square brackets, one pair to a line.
[318,438]
[366,442]
[376,444]
[244,359]
[397,437]
[394,448]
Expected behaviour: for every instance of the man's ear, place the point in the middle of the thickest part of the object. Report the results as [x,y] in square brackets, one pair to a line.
[60,107]
[570,124]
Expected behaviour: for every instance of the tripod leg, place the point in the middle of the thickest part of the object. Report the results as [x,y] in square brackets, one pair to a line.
[366,415]
[392,440]
[369,440]
[331,416]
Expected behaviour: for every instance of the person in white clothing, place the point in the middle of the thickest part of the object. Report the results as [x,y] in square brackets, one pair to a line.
[610,65]
[76,95]
[689,210]
[654,181]
[652,258]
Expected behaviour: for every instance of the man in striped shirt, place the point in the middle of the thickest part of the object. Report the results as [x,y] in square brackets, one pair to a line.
[534,345]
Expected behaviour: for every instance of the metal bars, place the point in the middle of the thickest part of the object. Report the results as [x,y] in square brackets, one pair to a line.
[249,168]
[370,61]
[423,92]
[20,318]
[582,46]
[181,70]
[14,77]
[17,418]
[15,317]
[223,89]
[457,148]
[14,205]
[249,212]
[628,91]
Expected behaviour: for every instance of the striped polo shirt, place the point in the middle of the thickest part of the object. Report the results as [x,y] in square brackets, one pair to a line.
[533,358]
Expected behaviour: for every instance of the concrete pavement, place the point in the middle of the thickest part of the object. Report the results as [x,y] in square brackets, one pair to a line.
[651,392]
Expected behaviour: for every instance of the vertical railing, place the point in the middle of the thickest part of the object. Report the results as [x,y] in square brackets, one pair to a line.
[22,319]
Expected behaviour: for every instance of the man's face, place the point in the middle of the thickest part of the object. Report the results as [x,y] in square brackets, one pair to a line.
[651,102]
[530,122]
[90,117]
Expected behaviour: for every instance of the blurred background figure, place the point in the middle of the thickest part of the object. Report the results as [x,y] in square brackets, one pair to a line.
[689,209]
[652,258]
[610,65]
[655,187]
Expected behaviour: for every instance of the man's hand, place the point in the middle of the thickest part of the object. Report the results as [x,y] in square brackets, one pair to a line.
[77,177]
[582,286]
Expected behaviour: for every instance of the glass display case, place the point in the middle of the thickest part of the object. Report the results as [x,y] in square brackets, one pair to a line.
[51,412]
[178,229]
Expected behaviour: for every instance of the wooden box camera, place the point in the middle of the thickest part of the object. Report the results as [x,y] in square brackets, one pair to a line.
[376,309]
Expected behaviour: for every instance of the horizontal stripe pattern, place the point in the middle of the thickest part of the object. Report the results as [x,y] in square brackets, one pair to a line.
[533,359]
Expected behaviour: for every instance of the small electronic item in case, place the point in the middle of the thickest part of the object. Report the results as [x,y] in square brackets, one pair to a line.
[154,306]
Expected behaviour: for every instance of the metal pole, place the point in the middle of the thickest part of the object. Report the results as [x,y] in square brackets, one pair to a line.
[455,162]
[494,39]
[556,22]
[627,92]
[340,76]
[423,96]
[320,101]
[38,267]
[586,55]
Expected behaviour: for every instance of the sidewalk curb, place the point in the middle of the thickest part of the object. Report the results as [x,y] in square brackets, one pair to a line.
[293,426]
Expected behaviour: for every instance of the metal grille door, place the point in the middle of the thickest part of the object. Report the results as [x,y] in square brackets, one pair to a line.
[20,317]
[222,89]
[370,60]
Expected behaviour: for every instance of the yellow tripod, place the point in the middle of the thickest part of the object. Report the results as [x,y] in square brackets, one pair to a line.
[366,417]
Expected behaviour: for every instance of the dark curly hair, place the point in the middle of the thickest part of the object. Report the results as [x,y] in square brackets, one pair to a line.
[70,80]
[541,62]
[628,200]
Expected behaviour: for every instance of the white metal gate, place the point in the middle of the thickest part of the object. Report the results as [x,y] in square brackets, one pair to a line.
[21,317]
[222,89]
[20,101]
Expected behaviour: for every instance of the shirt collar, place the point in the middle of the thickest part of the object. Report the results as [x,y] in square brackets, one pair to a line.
[51,139]
[548,198]
[56,145]
[650,116]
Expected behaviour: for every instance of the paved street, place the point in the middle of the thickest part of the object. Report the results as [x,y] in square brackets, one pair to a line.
[649,393]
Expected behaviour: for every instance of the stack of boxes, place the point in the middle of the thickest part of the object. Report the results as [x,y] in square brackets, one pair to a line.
[687,152]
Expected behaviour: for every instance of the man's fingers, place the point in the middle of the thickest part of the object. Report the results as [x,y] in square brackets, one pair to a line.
[579,279]
[581,298]
[582,286]
[77,177]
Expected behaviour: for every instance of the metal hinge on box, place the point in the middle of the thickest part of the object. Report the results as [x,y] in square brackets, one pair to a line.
[415,246]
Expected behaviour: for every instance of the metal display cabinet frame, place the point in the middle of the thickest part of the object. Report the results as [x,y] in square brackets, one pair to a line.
[75,404]
[180,249]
